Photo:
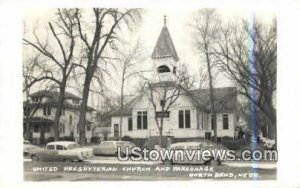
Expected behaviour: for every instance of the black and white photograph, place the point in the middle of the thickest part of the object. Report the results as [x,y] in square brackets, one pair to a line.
[196,95]
[127,93]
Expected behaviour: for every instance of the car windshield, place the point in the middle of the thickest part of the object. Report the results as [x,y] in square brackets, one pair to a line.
[74,146]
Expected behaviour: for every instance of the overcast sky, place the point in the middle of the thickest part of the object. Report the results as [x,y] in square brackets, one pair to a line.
[149,30]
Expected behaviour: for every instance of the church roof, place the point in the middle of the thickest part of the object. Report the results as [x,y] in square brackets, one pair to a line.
[127,108]
[164,46]
[225,99]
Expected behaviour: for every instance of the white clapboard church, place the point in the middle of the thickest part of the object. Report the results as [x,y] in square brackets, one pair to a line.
[188,117]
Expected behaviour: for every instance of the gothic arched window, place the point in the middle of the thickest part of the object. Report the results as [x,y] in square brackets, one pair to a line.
[163,69]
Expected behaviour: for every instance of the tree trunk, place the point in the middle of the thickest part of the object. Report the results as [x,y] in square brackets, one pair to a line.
[121,109]
[58,110]
[160,137]
[83,109]
[161,131]
[211,97]
[27,125]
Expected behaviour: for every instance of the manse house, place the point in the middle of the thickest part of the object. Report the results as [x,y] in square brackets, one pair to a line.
[39,112]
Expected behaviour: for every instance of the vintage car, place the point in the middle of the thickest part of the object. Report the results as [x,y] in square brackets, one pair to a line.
[111,148]
[199,146]
[62,151]
[28,147]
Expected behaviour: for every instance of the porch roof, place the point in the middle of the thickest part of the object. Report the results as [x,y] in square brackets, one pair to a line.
[39,120]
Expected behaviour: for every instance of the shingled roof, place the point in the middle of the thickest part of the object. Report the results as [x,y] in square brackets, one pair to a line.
[225,99]
[127,108]
[164,46]
[53,94]
[53,99]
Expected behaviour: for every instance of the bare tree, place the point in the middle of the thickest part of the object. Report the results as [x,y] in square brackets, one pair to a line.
[130,58]
[205,33]
[63,32]
[29,67]
[163,95]
[106,24]
[253,68]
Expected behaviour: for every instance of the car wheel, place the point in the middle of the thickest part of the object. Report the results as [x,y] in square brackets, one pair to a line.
[35,158]
[68,160]
[167,162]
[213,163]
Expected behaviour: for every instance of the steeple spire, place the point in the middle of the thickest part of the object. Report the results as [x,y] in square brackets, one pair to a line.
[164,47]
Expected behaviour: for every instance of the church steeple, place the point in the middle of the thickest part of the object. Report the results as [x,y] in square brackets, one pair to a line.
[164,46]
[164,56]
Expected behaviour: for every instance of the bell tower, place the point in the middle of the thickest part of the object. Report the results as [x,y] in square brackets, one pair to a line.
[164,57]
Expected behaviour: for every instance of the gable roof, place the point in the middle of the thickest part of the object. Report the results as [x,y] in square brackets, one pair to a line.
[127,108]
[164,46]
[225,99]
[53,94]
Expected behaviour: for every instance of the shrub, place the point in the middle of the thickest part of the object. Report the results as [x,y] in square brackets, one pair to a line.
[139,142]
[227,138]
[234,144]
[95,140]
[67,138]
[127,138]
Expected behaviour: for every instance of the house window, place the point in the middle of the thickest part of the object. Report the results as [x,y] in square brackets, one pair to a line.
[75,101]
[88,127]
[36,128]
[49,110]
[130,124]
[187,119]
[213,121]
[37,99]
[184,119]
[45,110]
[116,130]
[225,121]
[142,122]
[160,114]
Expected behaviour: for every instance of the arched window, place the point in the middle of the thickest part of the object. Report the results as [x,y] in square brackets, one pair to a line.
[163,69]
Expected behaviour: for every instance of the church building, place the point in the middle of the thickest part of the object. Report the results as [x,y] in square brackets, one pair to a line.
[186,115]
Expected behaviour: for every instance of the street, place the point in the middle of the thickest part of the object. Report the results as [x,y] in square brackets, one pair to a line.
[109,168]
